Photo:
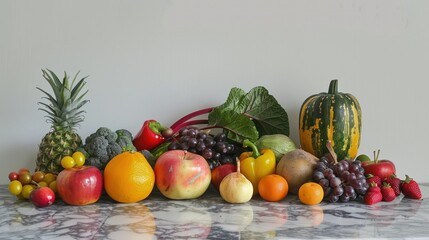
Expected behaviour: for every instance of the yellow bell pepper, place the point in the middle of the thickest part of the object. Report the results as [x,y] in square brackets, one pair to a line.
[255,165]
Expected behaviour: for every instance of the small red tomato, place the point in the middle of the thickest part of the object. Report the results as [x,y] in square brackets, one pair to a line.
[13,176]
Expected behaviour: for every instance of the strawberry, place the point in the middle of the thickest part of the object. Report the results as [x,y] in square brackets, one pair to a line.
[375,179]
[387,192]
[373,195]
[395,183]
[410,188]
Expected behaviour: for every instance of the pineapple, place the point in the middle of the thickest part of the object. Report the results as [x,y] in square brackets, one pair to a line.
[63,112]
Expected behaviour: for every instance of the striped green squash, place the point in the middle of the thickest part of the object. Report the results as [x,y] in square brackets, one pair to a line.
[331,116]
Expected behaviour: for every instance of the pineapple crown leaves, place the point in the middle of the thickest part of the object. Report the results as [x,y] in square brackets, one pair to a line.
[64,108]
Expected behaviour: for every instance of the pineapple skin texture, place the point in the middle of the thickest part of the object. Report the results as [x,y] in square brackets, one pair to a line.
[63,112]
[53,147]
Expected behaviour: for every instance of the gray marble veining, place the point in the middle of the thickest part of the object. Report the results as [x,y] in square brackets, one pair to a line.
[209,217]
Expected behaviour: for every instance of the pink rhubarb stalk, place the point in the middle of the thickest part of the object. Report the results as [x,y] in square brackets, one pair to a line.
[184,121]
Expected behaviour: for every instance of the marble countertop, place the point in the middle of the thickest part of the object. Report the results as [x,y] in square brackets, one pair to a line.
[210,217]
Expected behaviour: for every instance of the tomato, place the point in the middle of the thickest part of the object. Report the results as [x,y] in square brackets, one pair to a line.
[79,158]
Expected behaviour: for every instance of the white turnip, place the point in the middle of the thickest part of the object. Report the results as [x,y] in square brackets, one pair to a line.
[235,187]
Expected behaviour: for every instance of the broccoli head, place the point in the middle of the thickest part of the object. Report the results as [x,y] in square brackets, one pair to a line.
[96,162]
[97,146]
[125,139]
[113,149]
[125,143]
[125,133]
[100,147]
[108,134]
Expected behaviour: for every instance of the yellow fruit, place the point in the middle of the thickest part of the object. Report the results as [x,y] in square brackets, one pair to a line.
[79,158]
[128,177]
[53,186]
[42,184]
[15,187]
[26,191]
[67,162]
[310,193]
[49,177]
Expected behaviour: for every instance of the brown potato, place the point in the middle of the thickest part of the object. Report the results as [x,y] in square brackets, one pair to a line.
[297,168]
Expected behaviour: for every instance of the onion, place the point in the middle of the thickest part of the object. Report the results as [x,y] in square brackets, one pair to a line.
[235,187]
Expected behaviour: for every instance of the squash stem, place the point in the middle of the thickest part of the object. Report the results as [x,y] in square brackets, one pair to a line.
[333,87]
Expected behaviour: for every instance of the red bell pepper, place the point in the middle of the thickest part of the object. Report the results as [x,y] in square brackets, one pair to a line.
[150,135]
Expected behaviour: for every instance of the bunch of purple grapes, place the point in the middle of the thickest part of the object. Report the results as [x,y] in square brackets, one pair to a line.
[215,149]
[342,181]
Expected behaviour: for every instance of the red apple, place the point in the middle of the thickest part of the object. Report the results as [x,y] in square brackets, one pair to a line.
[182,175]
[380,168]
[42,197]
[80,185]
[219,172]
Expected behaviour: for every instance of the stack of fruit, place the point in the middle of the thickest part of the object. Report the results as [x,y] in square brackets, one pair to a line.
[79,184]
[373,181]
[385,185]
[39,187]
[188,157]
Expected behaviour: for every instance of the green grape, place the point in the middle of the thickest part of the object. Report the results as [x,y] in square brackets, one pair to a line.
[15,187]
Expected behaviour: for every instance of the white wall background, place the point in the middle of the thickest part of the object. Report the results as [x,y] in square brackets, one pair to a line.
[163,59]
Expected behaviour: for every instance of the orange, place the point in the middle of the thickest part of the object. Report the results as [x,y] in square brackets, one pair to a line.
[128,177]
[273,188]
[310,193]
